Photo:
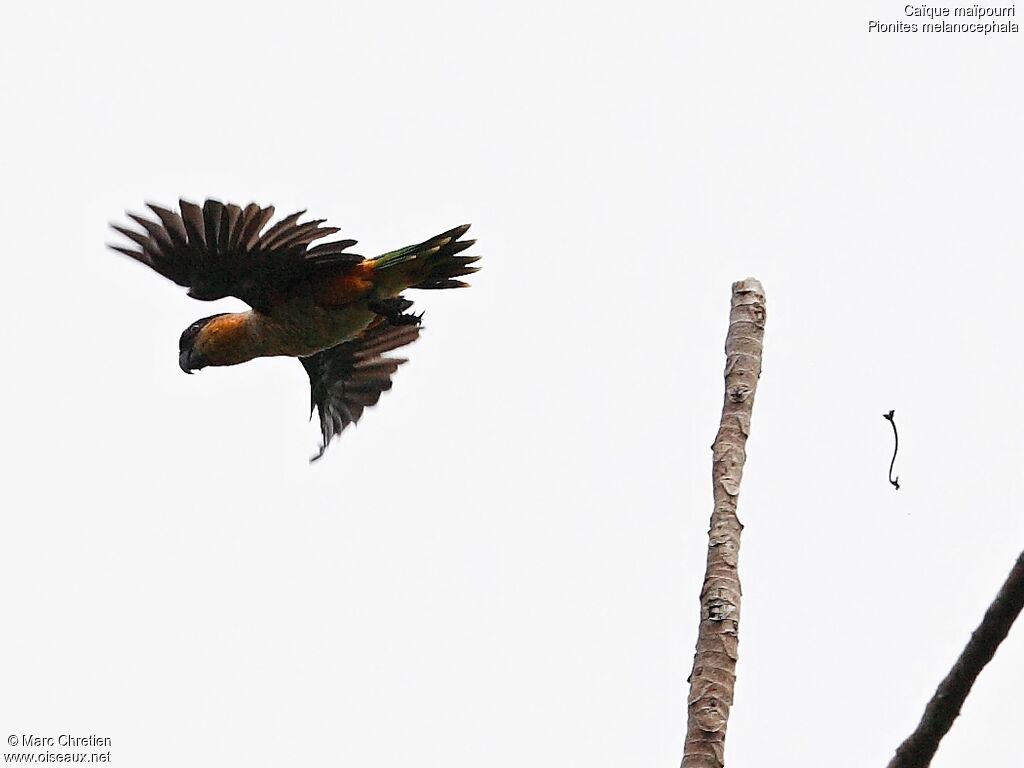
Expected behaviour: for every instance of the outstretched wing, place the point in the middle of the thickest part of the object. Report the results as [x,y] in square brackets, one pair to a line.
[351,376]
[224,250]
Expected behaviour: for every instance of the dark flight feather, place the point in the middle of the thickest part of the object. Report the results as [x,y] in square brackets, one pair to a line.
[346,379]
[222,250]
[212,212]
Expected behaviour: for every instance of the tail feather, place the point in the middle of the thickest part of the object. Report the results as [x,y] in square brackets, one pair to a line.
[434,263]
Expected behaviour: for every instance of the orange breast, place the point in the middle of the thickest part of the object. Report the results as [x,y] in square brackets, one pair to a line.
[226,340]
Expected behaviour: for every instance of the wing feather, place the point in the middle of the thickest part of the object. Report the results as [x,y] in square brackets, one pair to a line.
[255,226]
[212,212]
[228,222]
[350,377]
[173,224]
[238,235]
[219,250]
[329,249]
[158,235]
[192,215]
[281,228]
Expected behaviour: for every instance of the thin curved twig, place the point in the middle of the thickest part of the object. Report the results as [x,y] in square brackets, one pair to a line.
[890,417]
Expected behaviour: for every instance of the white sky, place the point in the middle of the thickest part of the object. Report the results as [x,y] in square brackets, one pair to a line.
[501,565]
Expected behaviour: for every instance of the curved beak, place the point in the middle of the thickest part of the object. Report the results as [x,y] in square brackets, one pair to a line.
[185,361]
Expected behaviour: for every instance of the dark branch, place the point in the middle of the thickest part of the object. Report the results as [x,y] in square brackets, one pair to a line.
[917,751]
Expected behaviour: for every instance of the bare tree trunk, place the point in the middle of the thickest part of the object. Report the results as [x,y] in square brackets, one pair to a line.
[714,662]
[919,748]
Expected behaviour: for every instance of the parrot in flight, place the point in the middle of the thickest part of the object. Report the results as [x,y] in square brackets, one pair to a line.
[337,312]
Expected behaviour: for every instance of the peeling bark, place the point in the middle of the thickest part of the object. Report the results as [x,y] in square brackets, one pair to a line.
[714,662]
[919,748]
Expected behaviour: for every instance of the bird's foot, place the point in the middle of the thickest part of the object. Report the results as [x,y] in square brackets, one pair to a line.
[393,310]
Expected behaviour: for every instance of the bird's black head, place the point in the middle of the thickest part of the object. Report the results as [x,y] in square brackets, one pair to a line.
[190,357]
